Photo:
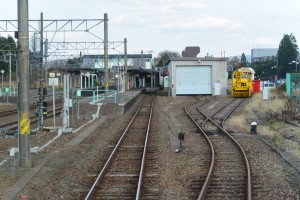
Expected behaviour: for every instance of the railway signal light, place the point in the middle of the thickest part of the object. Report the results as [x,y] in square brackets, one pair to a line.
[45,105]
[180,138]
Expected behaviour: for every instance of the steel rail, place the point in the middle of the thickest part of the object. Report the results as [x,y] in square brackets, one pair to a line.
[208,179]
[203,124]
[14,124]
[32,106]
[100,176]
[249,187]
[212,161]
[142,170]
[226,117]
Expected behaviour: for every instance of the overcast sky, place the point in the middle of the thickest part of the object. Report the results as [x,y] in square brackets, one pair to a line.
[233,26]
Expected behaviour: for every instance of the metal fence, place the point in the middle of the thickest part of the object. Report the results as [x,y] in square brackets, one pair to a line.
[293,85]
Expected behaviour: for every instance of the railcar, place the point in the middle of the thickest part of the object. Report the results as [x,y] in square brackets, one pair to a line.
[242,79]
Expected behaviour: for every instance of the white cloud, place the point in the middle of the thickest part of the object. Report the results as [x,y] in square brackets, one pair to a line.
[205,22]
[191,5]
[180,6]
[159,11]
[234,26]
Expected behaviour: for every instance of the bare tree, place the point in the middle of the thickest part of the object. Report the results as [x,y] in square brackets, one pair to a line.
[164,56]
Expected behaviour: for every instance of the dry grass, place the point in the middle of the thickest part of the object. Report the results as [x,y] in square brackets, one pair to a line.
[236,122]
[268,115]
[266,110]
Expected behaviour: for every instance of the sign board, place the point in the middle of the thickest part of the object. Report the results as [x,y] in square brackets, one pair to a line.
[217,88]
[78,93]
[7,90]
[52,75]
[148,65]
[265,94]
[53,81]
[70,103]
[166,81]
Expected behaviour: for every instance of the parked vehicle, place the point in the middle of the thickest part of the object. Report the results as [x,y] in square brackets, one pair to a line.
[267,85]
[242,82]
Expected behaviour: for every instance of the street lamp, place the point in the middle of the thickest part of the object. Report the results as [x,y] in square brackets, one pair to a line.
[276,75]
[58,75]
[295,64]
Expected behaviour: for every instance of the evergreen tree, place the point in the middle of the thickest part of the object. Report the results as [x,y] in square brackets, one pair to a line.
[265,69]
[287,52]
[7,45]
[243,60]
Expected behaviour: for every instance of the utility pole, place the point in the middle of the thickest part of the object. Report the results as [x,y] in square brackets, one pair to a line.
[118,78]
[106,51]
[41,81]
[9,54]
[23,92]
[142,58]
[80,63]
[125,65]
[2,72]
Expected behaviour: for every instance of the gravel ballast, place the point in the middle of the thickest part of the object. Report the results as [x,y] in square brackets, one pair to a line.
[70,165]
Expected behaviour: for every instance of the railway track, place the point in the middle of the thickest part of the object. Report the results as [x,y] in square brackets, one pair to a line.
[6,113]
[122,176]
[12,125]
[228,174]
[11,119]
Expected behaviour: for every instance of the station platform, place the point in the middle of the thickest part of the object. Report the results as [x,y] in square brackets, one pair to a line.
[124,100]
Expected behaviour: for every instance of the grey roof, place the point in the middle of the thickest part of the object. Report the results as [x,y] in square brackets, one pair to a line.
[197,58]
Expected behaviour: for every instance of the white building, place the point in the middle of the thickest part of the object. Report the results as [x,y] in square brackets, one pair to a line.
[193,76]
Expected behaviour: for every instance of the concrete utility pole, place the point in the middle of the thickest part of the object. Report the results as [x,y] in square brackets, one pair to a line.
[9,54]
[142,58]
[125,64]
[41,80]
[106,51]
[23,92]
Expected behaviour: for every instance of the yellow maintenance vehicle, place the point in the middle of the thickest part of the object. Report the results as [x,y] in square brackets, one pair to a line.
[242,82]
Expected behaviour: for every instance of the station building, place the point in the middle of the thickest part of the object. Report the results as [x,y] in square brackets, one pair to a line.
[196,76]
[91,72]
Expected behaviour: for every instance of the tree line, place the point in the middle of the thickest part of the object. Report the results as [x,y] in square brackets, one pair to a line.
[8,47]
[275,66]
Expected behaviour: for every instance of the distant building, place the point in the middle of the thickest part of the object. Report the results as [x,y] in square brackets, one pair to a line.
[263,54]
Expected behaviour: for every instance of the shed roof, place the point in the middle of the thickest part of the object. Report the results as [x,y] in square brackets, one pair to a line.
[197,58]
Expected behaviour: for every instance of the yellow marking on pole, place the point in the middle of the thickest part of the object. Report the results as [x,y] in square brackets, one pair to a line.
[24,124]
[106,84]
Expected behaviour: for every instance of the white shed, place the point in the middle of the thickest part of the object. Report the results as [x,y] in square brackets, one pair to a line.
[192,75]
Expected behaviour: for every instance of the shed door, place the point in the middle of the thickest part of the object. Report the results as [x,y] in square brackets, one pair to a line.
[193,80]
